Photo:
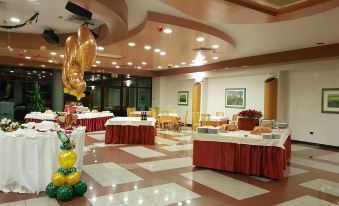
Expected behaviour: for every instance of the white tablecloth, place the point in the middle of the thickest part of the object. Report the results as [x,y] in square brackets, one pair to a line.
[169,115]
[131,121]
[215,118]
[238,137]
[43,116]
[29,158]
[139,112]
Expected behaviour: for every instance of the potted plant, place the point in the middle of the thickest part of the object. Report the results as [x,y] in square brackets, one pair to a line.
[36,102]
[248,119]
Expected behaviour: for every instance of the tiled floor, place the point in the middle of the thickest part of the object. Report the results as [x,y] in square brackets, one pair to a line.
[163,174]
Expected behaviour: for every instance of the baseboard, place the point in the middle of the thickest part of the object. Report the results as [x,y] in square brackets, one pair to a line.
[318,145]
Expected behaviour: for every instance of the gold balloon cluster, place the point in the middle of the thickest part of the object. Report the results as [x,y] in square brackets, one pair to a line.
[80,52]
[67,159]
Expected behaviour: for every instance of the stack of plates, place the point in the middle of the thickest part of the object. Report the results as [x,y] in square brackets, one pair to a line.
[202,129]
[282,125]
[213,130]
[266,135]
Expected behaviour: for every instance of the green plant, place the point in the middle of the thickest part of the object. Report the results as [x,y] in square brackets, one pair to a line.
[36,102]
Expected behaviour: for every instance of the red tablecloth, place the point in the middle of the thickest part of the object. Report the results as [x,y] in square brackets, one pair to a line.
[118,134]
[35,120]
[94,124]
[248,159]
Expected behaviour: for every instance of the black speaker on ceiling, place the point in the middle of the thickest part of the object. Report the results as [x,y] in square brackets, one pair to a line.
[50,36]
[78,10]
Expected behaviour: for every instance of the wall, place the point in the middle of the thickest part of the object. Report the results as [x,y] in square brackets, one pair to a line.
[304,106]
[57,92]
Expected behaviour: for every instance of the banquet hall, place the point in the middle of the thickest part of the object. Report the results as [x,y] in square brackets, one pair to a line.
[169,102]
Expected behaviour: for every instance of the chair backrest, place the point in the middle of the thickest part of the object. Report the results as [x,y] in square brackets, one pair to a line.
[130,110]
[235,117]
[220,114]
[153,112]
[165,113]
[205,117]
[185,118]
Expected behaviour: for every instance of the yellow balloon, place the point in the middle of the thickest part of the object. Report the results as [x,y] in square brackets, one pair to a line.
[73,178]
[67,158]
[58,179]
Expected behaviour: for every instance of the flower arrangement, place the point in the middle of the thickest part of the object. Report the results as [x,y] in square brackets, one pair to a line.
[7,125]
[250,113]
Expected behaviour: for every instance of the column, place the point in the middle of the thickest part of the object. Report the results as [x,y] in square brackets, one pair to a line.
[57,92]
[271,98]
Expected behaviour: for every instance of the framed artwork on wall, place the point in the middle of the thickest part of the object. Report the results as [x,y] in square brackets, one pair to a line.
[235,98]
[330,100]
[183,98]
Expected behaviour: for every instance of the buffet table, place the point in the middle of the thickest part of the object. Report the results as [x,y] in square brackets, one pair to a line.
[214,121]
[29,158]
[171,118]
[130,130]
[92,121]
[233,152]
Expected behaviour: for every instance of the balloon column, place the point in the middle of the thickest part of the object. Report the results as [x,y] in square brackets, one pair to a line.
[66,181]
[80,52]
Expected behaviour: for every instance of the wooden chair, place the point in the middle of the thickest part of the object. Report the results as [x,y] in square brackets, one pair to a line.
[220,114]
[130,110]
[164,119]
[235,117]
[183,123]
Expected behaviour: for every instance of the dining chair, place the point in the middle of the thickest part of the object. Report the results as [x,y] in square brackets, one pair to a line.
[220,114]
[235,117]
[205,117]
[184,122]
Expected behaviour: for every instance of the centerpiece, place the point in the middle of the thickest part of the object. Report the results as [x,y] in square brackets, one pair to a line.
[248,119]
[7,125]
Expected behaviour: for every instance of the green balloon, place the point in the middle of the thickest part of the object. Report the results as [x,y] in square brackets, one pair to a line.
[51,190]
[80,188]
[65,193]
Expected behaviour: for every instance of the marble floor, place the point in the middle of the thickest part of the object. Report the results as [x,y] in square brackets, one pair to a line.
[163,174]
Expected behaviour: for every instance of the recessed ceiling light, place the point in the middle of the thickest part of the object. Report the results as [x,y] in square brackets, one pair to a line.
[139,67]
[159,67]
[183,63]
[215,46]
[143,63]
[147,47]
[114,63]
[167,30]
[21,64]
[50,61]
[200,39]
[11,71]
[117,67]
[215,58]
[97,62]
[130,63]
[53,53]
[62,56]
[176,66]
[101,48]
[162,53]
[157,50]
[15,20]
[94,65]
[28,57]
[131,44]
[42,65]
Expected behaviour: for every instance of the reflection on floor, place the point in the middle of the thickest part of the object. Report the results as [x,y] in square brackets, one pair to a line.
[163,174]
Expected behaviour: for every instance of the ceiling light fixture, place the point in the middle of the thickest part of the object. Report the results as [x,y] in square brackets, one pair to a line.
[130,63]
[147,47]
[183,63]
[200,39]
[157,50]
[117,67]
[62,56]
[143,63]
[97,62]
[215,58]
[199,59]
[28,57]
[139,67]
[94,65]
[53,53]
[215,46]
[100,48]
[176,66]
[162,53]
[11,71]
[159,67]
[21,64]
[167,30]
[15,20]
[42,65]
[131,44]
[50,61]
[114,63]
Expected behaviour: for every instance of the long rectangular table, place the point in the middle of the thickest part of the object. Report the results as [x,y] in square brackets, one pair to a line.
[214,121]
[130,130]
[92,121]
[29,158]
[233,152]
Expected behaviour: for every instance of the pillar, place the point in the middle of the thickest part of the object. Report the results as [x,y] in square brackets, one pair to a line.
[271,98]
[196,104]
[57,92]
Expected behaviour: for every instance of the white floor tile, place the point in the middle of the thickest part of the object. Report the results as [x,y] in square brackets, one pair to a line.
[107,174]
[224,184]
[17,203]
[99,137]
[102,144]
[142,152]
[291,171]
[306,200]
[178,147]
[323,185]
[315,164]
[167,164]
[172,133]
[159,140]
[41,201]
[183,138]
[151,196]
[297,147]
[263,179]
[330,157]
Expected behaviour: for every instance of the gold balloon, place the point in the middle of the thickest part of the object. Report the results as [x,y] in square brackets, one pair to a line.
[73,178]
[80,52]
[58,179]
[67,158]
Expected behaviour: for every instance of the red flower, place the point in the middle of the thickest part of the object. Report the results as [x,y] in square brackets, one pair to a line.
[250,113]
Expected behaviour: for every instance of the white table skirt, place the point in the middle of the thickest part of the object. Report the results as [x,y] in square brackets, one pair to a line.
[43,116]
[238,137]
[131,121]
[28,162]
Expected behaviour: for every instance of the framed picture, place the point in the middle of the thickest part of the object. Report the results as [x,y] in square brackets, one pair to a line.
[330,100]
[235,98]
[183,98]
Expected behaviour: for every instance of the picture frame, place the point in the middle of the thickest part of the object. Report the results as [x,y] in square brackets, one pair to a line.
[330,100]
[183,98]
[235,98]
